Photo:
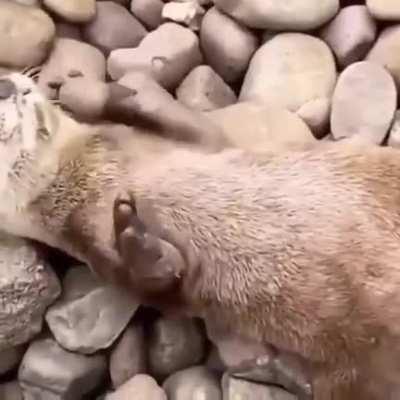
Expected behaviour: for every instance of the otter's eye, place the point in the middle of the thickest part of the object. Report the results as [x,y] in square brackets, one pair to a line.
[26,92]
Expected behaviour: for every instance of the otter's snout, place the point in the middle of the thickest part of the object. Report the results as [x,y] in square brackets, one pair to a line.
[7,89]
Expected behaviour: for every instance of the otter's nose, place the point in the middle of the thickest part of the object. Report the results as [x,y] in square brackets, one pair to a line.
[7,88]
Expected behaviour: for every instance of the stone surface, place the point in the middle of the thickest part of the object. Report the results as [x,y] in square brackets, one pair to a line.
[316,114]
[386,51]
[168,54]
[262,128]
[188,13]
[10,391]
[363,103]
[129,357]
[192,384]
[350,34]
[10,358]
[140,387]
[76,11]
[107,311]
[148,12]
[70,58]
[49,372]
[169,344]
[394,134]
[227,45]
[299,15]
[67,30]
[388,10]
[27,287]
[24,44]
[114,27]
[312,72]
[204,90]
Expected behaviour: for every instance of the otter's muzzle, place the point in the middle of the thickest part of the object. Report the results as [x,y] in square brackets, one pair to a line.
[7,89]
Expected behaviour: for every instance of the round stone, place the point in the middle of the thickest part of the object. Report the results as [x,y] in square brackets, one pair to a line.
[388,10]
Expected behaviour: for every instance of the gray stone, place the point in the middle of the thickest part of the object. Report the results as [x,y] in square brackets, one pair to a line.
[204,90]
[107,311]
[350,34]
[27,287]
[114,27]
[168,54]
[10,358]
[394,134]
[192,384]
[129,357]
[169,344]
[227,45]
[10,391]
[77,11]
[364,102]
[387,10]
[188,13]
[299,15]
[49,372]
[148,12]
[28,43]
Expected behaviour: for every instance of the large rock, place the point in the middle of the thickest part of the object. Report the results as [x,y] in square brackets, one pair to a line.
[227,45]
[107,311]
[27,287]
[364,102]
[26,35]
[73,10]
[388,10]
[168,54]
[351,34]
[114,27]
[10,358]
[262,128]
[299,15]
[148,12]
[290,70]
[49,372]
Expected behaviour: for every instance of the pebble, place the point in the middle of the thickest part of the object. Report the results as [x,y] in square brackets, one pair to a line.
[386,51]
[169,342]
[394,135]
[299,15]
[168,53]
[10,391]
[114,27]
[388,10]
[28,43]
[49,372]
[204,90]
[188,13]
[193,384]
[27,287]
[316,115]
[149,12]
[10,358]
[364,102]
[227,45]
[107,311]
[76,11]
[312,72]
[350,34]
[129,357]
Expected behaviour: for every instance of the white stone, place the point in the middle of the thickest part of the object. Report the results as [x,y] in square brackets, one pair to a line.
[388,10]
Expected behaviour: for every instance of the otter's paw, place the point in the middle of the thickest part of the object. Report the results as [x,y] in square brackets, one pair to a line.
[155,265]
[275,371]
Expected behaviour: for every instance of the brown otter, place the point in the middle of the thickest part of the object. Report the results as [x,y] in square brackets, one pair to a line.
[300,250]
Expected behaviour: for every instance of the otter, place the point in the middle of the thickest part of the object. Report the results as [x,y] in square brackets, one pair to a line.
[300,250]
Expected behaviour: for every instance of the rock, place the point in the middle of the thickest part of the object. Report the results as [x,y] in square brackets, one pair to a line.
[10,391]
[84,97]
[107,311]
[386,51]
[49,372]
[240,389]
[394,135]
[311,75]
[28,2]
[169,342]
[214,362]
[129,357]
[113,28]
[168,54]
[27,287]
[140,387]
[350,34]
[388,10]
[364,102]
[257,127]
[10,358]
[66,30]
[316,115]
[191,384]
[28,43]
[71,58]
[204,90]
[76,11]
[148,12]
[296,15]
[188,13]
[227,45]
